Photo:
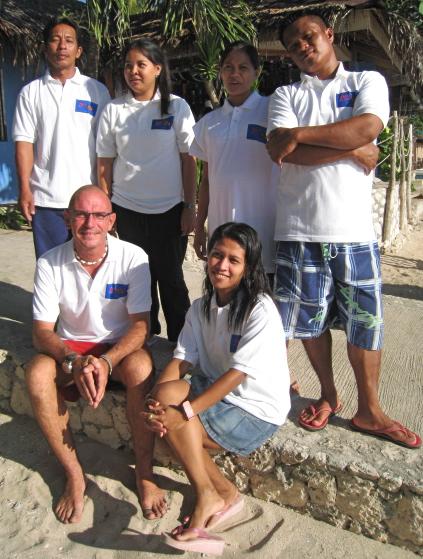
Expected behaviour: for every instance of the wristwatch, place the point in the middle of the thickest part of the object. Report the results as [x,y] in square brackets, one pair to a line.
[67,363]
[187,410]
[189,205]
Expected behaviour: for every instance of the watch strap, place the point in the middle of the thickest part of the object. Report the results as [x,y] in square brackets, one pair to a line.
[187,410]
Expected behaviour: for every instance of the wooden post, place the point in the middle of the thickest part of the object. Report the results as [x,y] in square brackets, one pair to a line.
[410,171]
[390,191]
[403,181]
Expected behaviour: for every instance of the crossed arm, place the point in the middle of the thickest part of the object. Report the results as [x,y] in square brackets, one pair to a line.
[90,373]
[315,145]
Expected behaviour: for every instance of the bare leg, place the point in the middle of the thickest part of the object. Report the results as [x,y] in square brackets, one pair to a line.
[294,387]
[319,352]
[51,413]
[135,373]
[213,490]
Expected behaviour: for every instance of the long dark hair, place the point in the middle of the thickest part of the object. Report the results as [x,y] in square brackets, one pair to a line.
[247,48]
[156,55]
[254,282]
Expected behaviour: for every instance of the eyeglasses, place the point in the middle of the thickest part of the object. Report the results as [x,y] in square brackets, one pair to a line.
[82,216]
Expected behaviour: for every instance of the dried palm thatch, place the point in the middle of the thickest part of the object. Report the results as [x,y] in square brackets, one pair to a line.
[22,22]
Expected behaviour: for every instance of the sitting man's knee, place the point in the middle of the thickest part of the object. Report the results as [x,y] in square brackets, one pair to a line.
[40,371]
[136,368]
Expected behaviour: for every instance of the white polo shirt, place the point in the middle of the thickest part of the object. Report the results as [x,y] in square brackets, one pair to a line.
[61,120]
[242,177]
[92,309]
[258,351]
[146,145]
[331,202]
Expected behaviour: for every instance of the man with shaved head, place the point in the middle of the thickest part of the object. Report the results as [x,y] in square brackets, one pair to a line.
[97,289]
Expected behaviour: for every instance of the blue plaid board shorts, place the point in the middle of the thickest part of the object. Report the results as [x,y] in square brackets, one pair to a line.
[326,285]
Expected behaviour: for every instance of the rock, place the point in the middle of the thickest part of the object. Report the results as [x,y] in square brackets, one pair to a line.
[361,469]
[100,416]
[106,435]
[390,482]
[293,453]
[19,401]
[322,489]
[75,416]
[407,523]
[293,494]
[120,422]
[261,460]
[358,499]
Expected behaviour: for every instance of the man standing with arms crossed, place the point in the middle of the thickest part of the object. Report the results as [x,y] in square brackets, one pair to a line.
[321,130]
[54,130]
[98,287]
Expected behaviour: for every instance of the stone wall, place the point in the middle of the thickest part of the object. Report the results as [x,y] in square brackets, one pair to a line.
[348,480]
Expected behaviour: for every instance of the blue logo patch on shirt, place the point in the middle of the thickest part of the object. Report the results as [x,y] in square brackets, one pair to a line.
[346,98]
[235,338]
[162,123]
[256,132]
[116,290]
[82,106]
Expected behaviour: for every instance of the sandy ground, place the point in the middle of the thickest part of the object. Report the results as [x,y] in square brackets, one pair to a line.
[112,526]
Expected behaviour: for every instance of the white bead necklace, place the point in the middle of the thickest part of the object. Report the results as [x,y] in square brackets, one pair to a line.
[93,262]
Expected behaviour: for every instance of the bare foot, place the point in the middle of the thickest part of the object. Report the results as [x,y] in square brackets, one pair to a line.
[207,505]
[316,415]
[152,499]
[71,503]
[294,388]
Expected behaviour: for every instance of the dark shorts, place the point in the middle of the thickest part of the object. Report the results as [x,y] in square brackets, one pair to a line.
[322,285]
[233,428]
[49,229]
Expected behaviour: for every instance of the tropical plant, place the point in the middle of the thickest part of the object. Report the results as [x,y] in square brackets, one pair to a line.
[11,217]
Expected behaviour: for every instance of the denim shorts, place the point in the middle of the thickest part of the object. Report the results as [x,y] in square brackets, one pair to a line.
[233,428]
[323,285]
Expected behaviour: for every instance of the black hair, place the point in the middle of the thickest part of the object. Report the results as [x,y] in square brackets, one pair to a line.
[61,21]
[156,55]
[254,282]
[247,48]
[293,16]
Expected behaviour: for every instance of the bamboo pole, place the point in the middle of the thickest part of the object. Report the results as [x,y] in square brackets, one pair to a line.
[410,172]
[387,219]
[403,181]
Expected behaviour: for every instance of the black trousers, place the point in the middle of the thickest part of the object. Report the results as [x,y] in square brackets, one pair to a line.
[160,236]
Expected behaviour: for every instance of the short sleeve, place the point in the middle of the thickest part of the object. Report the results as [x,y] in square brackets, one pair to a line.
[45,302]
[253,343]
[198,147]
[187,347]
[373,97]
[183,124]
[139,290]
[281,111]
[106,141]
[24,121]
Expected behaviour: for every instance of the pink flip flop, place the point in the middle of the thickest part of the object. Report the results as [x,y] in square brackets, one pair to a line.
[203,543]
[226,513]
[307,423]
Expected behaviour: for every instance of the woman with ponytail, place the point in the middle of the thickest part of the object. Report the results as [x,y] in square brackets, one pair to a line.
[143,163]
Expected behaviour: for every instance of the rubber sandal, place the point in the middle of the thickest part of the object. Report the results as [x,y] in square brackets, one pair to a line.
[203,543]
[226,513]
[387,434]
[306,423]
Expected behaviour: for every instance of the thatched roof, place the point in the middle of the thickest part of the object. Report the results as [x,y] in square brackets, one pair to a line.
[22,22]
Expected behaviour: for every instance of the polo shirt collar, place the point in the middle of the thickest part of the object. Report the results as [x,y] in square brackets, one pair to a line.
[249,104]
[130,100]
[312,81]
[76,78]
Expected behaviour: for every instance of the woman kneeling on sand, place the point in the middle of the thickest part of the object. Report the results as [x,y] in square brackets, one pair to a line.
[240,397]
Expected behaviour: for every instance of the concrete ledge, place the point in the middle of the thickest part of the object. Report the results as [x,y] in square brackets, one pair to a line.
[349,480]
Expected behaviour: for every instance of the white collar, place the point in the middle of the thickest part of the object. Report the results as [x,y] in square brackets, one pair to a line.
[313,81]
[76,78]
[249,103]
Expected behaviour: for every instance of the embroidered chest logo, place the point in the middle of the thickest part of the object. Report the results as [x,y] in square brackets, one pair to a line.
[346,98]
[235,339]
[256,132]
[116,290]
[162,123]
[89,107]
